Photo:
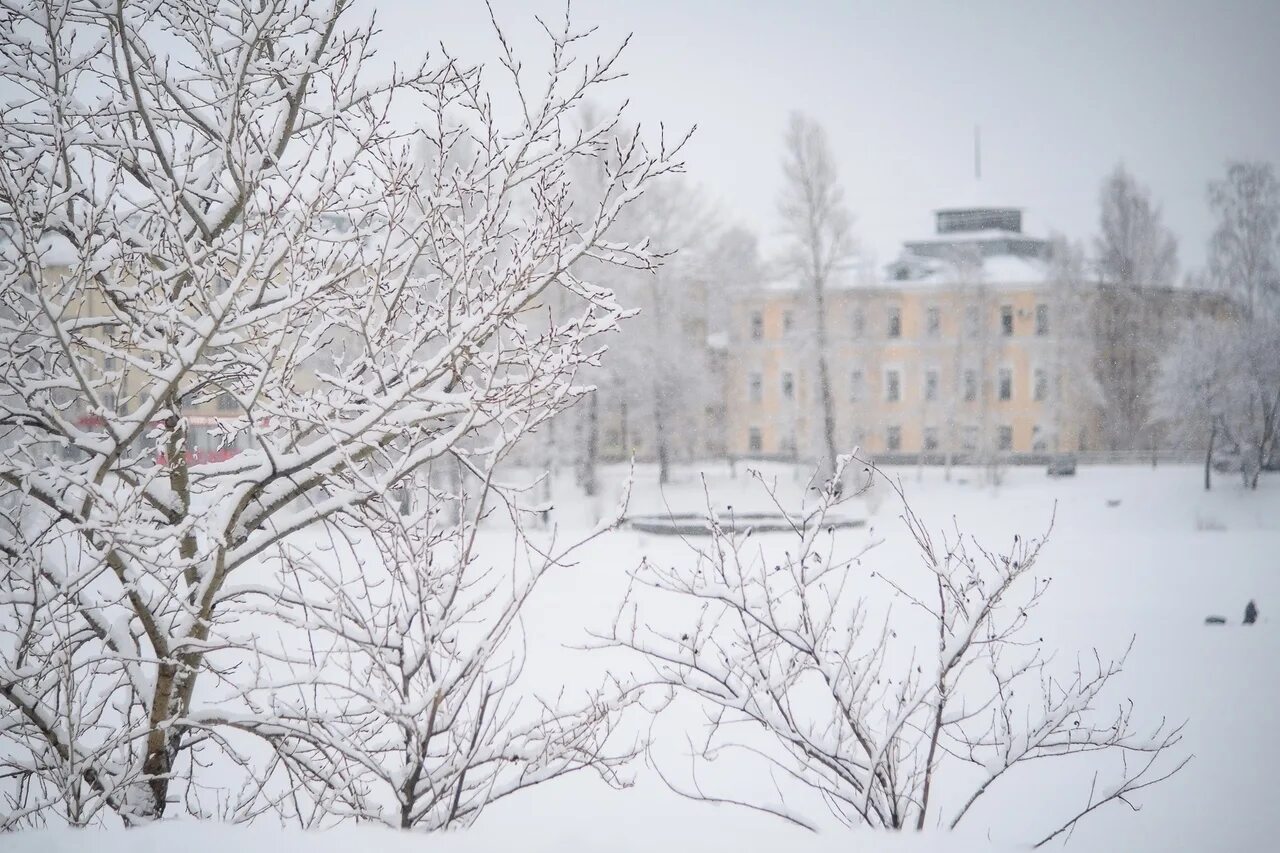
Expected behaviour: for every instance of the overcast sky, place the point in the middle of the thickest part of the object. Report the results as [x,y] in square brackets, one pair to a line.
[1062,92]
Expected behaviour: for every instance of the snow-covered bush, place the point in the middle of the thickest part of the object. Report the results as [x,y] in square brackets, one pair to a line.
[898,718]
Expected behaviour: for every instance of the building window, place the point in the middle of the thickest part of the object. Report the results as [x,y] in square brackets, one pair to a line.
[226,402]
[757,326]
[1005,438]
[930,438]
[1042,320]
[1038,444]
[893,438]
[971,321]
[933,321]
[755,387]
[1006,383]
[856,383]
[895,322]
[970,386]
[109,400]
[1006,320]
[788,385]
[1040,388]
[789,446]
[754,441]
[931,385]
[892,386]
[788,322]
[969,439]
[858,323]
[110,362]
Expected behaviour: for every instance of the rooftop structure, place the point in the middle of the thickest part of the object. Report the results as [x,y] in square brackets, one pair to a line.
[969,236]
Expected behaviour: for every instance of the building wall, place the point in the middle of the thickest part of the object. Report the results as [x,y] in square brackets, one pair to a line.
[957,346]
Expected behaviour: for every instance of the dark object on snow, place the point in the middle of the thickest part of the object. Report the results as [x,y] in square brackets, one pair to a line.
[1215,620]
[1062,465]
[1250,613]
[1113,502]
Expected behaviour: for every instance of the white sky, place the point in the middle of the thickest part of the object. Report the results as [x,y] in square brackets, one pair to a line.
[1062,91]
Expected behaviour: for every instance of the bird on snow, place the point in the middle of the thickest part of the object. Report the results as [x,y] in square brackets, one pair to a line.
[1250,613]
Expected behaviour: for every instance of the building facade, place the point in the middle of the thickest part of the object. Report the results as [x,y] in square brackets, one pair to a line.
[972,348]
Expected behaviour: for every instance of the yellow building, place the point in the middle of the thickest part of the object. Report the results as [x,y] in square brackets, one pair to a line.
[964,350]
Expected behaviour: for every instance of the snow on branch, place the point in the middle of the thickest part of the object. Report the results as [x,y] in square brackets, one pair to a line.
[243,300]
[899,717]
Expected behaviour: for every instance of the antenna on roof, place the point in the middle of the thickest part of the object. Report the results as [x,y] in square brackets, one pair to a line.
[977,152]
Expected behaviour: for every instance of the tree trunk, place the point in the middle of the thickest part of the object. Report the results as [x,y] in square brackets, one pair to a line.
[828,412]
[660,440]
[1208,456]
[625,427]
[591,448]
[156,764]
[827,465]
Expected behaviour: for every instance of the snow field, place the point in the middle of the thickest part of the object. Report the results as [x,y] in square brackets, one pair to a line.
[1149,568]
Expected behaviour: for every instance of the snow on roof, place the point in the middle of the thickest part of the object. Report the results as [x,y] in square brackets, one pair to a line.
[976,236]
[997,269]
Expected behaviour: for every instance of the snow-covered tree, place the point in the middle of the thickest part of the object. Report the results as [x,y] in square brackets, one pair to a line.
[967,398]
[409,709]
[1253,419]
[1195,385]
[1072,363]
[1134,247]
[818,227]
[1220,379]
[657,381]
[209,201]
[1220,384]
[899,718]
[735,262]
[1135,252]
[666,346]
[1244,254]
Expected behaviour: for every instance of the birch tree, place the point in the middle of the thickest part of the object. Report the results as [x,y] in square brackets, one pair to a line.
[1244,254]
[658,368]
[1220,382]
[1073,359]
[208,200]
[818,226]
[1135,253]
[1195,384]
[1227,367]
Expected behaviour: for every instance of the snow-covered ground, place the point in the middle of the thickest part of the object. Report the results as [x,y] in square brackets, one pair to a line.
[1134,552]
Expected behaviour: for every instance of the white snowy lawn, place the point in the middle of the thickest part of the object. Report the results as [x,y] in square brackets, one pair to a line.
[1134,552]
